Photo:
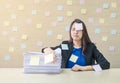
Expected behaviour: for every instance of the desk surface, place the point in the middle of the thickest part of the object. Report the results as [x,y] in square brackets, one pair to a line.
[16,75]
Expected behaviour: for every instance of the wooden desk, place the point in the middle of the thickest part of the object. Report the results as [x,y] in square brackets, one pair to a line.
[16,75]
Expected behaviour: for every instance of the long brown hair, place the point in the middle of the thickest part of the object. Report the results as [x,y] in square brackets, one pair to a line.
[85,37]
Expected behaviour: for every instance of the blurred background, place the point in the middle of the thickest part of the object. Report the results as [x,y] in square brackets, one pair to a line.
[30,25]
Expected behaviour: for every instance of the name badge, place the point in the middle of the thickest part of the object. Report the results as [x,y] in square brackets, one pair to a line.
[64,47]
[73,58]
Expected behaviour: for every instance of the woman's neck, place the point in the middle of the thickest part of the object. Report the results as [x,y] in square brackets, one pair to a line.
[77,44]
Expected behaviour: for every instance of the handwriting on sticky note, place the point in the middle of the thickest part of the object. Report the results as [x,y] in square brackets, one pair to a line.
[73,58]
[48,58]
[34,60]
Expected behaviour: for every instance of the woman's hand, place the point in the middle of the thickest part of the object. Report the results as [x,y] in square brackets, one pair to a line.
[82,68]
[77,68]
[50,51]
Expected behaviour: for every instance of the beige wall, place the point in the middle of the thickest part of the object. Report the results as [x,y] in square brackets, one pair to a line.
[29,25]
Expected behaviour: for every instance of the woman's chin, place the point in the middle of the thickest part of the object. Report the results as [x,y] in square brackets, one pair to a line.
[76,39]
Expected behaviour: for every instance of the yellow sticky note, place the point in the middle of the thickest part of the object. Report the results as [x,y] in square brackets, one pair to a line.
[104,38]
[69,13]
[20,7]
[69,2]
[11,49]
[24,37]
[59,36]
[34,60]
[38,26]
[101,20]
[6,23]
[83,11]
[113,4]
[73,58]
[48,58]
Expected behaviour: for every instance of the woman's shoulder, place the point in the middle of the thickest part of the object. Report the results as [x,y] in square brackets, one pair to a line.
[91,45]
[65,42]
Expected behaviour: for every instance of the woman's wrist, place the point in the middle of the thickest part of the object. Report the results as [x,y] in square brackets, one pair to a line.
[87,68]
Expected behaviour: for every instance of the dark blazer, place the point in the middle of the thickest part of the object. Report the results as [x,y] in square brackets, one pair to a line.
[92,55]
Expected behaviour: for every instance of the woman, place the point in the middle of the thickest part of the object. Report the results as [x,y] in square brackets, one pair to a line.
[79,53]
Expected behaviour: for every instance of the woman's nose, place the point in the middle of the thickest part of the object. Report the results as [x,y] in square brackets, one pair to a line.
[76,31]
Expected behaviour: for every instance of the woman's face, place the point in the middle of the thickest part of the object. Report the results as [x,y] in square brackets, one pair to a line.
[76,34]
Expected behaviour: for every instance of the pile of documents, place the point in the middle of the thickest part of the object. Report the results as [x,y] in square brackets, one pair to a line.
[37,62]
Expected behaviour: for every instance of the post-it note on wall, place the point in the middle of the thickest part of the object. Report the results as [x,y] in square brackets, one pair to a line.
[15,28]
[59,37]
[7,57]
[6,23]
[69,13]
[59,18]
[13,16]
[97,30]
[47,13]
[20,7]
[39,26]
[49,32]
[69,2]
[105,5]
[24,36]
[113,32]
[23,45]
[11,49]
[101,20]
[83,11]
[113,4]
[113,14]
[59,7]
[104,38]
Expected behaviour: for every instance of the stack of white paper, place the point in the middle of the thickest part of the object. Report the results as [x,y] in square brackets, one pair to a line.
[37,62]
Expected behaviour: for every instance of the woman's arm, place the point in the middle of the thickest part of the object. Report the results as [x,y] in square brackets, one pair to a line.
[100,59]
[82,68]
